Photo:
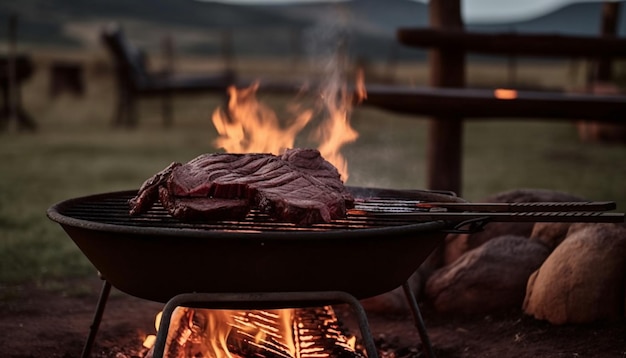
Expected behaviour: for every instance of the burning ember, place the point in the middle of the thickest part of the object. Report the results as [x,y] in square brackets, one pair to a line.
[285,333]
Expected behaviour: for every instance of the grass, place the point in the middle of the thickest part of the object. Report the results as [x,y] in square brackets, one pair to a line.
[76,152]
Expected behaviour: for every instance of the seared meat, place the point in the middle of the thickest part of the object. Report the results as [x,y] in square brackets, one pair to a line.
[149,191]
[197,209]
[299,187]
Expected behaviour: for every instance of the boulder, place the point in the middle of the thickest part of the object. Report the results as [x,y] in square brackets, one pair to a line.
[550,234]
[457,244]
[487,279]
[583,280]
[395,301]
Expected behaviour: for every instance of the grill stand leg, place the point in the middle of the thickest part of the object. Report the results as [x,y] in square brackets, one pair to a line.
[419,321]
[97,318]
[272,300]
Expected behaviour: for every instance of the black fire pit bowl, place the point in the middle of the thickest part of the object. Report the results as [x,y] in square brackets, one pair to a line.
[159,258]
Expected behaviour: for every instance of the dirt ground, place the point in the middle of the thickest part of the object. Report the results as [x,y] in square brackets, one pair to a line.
[36,322]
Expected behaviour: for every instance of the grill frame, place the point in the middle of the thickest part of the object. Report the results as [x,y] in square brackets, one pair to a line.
[158,263]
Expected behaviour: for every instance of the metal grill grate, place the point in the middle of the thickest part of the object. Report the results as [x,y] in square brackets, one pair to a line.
[113,209]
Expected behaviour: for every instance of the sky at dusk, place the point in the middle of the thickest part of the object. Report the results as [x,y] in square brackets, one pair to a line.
[473,10]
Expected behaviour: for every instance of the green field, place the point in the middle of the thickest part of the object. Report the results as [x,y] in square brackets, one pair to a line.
[77,152]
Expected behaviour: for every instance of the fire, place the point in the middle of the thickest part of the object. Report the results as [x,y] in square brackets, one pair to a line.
[150,339]
[287,333]
[336,131]
[249,126]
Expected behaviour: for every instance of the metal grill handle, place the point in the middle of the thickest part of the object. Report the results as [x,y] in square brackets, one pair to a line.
[571,216]
[523,207]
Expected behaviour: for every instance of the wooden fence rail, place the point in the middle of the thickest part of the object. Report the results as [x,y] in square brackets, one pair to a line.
[449,102]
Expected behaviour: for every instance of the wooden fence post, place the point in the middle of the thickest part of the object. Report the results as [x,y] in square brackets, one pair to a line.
[608,28]
[167,53]
[447,69]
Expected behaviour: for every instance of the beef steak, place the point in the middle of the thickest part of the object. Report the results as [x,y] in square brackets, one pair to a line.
[298,186]
[149,191]
[196,209]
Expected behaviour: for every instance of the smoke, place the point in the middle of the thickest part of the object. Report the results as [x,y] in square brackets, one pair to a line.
[327,49]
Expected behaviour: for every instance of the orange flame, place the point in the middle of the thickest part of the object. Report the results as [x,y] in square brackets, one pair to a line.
[336,131]
[249,126]
[206,332]
[150,339]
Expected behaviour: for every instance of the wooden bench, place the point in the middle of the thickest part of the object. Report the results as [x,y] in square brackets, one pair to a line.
[135,81]
[450,102]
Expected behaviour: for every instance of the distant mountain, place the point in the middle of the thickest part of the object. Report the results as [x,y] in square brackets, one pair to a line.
[372,17]
[375,22]
[188,13]
[384,17]
[576,19]
[47,21]
[370,25]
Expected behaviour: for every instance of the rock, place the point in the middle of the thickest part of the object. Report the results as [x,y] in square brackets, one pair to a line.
[394,301]
[550,234]
[531,196]
[455,245]
[487,279]
[458,244]
[583,226]
[583,280]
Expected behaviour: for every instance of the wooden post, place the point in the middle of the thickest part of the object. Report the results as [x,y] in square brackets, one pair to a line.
[447,69]
[167,50]
[610,15]
[12,70]
[512,67]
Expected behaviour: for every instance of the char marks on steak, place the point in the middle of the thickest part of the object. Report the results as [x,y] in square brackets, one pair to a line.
[197,209]
[149,191]
[299,187]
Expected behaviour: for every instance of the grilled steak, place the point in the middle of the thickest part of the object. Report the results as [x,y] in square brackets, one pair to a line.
[203,208]
[299,187]
[149,191]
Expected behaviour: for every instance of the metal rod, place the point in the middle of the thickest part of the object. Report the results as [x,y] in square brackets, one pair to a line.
[554,216]
[419,321]
[164,327]
[523,207]
[366,335]
[97,318]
